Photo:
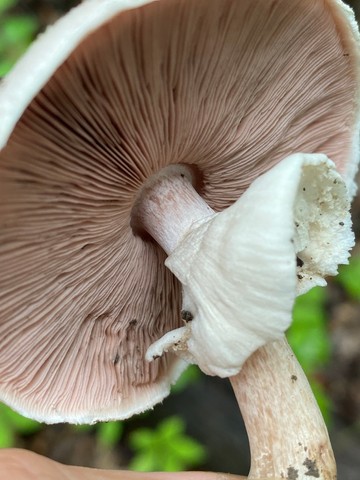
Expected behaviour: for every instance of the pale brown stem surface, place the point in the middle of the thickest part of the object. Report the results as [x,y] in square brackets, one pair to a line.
[287,434]
[168,205]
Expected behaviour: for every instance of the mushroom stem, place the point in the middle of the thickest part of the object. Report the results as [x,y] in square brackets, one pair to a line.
[167,206]
[287,435]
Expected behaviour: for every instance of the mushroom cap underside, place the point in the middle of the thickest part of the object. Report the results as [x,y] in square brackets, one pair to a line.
[226,86]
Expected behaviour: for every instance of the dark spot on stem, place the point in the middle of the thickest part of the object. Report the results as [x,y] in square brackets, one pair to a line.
[293,378]
[312,469]
[186,316]
[304,189]
[292,473]
[341,224]
[299,262]
[133,322]
[300,277]
[116,359]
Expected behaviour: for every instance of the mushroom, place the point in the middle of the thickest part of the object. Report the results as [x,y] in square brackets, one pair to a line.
[133,130]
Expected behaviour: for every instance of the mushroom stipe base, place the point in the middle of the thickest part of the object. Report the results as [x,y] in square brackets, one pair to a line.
[273,376]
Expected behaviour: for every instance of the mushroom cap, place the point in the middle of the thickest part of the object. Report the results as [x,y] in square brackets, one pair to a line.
[110,95]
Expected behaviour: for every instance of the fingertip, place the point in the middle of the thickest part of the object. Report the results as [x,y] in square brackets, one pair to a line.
[19,464]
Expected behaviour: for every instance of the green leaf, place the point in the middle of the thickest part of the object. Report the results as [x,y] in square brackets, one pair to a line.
[18,29]
[7,437]
[349,278]
[190,375]
[323,401]
[171,427]
[173,463]
[144,462]
[5,66]
[16,33]
[11,424]
[189,450]
[308,334]
[6,5]
[18,423]
[109,433]
[141,439]
[166,448]
[309,339]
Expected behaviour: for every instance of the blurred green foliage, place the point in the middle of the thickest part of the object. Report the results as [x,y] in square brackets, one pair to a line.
[12,425]
[349,278]
[166,448]
[189,376]
[108,434]
[309,339]
[308,335]
[16,33]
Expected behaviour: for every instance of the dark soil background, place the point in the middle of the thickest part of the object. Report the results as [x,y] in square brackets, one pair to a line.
[208,405]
